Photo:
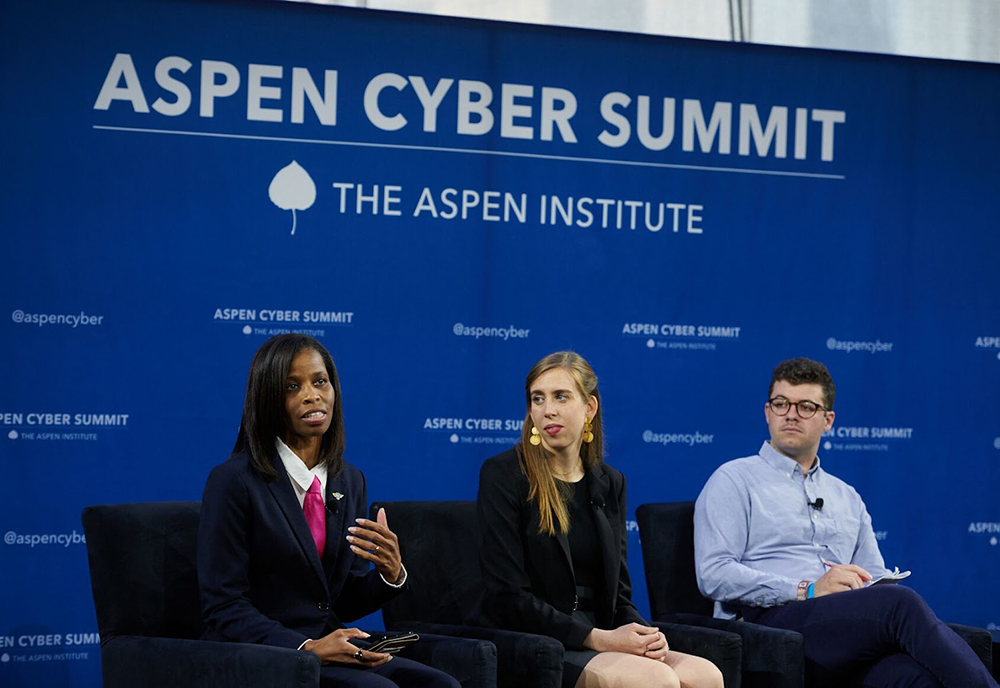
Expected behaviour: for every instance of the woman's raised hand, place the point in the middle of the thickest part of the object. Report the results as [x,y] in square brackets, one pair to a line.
[372,540]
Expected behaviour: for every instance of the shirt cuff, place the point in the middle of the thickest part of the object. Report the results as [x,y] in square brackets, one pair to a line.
[303,643]
[402,581]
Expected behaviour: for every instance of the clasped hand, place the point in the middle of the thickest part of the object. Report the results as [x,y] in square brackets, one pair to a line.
[337,647]
[633,639]
[373,541]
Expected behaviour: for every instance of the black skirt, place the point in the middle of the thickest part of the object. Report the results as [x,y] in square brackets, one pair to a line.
[575,660]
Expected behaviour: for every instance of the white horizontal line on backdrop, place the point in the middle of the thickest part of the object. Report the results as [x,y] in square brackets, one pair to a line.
[470,151]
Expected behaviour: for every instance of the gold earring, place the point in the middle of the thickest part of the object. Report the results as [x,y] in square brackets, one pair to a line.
[535,438]
[588,431]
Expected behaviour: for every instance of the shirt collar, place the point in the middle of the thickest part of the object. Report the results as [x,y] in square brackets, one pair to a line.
[296,469]
[779,461]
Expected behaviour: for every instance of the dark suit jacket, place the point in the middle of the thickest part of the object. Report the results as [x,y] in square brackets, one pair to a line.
[260,575]
[528,576]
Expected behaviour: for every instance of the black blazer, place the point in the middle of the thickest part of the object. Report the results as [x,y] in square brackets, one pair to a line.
[529,581]
[260,575]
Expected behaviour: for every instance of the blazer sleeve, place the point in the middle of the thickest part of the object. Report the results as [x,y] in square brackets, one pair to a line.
[224,564]
[510,598]
[625,611]
[364,590]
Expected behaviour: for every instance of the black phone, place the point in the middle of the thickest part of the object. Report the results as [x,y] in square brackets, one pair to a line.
[391,642]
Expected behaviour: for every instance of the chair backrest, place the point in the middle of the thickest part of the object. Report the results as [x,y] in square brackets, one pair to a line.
[667,535]
[439,543]
[143,568]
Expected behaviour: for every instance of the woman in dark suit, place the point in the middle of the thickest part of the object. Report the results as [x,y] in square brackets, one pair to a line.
[553,550]
[284,550]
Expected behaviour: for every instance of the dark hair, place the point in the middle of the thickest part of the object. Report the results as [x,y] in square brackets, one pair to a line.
[264,414]
[534,459]
[804,371]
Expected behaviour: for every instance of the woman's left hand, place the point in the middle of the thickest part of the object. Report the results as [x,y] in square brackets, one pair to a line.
[657,649]
[372,540]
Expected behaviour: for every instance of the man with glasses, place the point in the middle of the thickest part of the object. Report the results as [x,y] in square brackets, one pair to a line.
[781,542]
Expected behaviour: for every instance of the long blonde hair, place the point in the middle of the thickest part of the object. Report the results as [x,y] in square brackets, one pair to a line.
[534,460]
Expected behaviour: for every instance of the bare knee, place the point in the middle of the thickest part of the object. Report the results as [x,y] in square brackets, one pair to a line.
[617,670]
[651,672]
[707,676]
[695,672]
[663,676]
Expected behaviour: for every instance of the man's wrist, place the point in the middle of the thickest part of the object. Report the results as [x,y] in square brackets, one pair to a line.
[802,590]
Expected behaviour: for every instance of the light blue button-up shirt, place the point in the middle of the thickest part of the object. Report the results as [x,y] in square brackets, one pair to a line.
[756,537]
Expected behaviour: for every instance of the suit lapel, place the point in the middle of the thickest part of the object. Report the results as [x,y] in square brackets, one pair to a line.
[600,489]
[335,514]
[284,495]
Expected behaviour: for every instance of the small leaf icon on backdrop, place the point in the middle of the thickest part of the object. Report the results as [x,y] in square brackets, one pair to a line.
[292,189]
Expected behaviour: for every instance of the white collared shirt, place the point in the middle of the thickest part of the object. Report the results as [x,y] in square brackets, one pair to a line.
[299,474]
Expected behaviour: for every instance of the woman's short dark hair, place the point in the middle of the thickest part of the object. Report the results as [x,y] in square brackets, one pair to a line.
[264,414]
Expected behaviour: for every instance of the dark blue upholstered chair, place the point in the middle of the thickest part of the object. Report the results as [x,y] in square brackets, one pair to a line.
[772,657]
[440,547]
[144,578]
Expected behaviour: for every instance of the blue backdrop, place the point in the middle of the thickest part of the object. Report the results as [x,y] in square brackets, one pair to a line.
[443,202]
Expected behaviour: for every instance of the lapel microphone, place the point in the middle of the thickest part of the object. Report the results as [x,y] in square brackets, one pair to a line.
[598,501]
[817,505]
[333,506]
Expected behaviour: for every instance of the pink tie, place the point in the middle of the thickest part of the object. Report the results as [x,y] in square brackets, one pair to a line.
[312,507]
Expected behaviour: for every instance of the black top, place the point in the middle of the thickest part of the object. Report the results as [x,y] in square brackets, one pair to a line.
[584,546]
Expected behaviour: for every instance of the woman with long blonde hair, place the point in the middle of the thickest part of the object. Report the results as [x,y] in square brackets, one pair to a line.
[553,551]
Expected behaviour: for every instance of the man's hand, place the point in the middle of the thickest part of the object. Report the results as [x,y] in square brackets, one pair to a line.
[839,578]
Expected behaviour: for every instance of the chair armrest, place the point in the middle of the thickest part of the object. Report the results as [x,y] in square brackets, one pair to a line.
[130,661]
[771,656]
[471,661]
[524,660]
[723,648]
[979,639]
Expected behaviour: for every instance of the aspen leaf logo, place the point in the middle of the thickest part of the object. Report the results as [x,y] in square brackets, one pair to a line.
[292,189]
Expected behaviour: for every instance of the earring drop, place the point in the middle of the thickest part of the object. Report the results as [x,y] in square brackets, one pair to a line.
[588,431]
[535,438]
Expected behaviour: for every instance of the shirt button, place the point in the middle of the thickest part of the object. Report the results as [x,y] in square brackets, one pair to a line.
[815,516]
[324,606]
[788,475]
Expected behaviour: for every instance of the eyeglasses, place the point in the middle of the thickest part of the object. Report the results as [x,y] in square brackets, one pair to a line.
[805,409]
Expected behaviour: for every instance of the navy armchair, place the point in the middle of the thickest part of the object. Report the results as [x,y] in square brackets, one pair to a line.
[772,657]
[439,543]
[145,583]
